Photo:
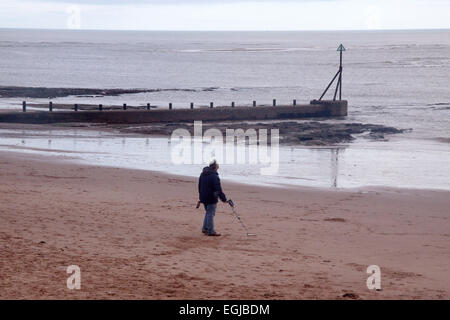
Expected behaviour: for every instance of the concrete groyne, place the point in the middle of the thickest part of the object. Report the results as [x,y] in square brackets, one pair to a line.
[317,108]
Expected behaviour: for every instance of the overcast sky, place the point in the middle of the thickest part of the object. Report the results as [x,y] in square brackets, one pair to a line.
[226,14]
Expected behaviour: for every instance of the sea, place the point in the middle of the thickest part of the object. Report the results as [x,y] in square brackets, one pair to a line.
[393,78]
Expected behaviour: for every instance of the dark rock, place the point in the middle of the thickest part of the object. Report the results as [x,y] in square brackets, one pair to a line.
[44,92]
[312,133]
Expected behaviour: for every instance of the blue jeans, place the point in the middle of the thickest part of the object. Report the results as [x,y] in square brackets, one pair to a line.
[208,222]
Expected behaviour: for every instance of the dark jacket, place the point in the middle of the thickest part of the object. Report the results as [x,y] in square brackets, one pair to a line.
[209,187]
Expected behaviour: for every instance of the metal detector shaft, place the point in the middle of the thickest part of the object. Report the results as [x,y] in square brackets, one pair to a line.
[239,218]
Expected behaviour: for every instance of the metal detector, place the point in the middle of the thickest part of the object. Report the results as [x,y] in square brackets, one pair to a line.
[231,203]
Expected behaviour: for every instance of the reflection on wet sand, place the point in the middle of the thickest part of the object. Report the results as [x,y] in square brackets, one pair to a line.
[334,167]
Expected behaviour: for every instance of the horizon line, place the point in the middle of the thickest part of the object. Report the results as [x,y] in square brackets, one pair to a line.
[220,30]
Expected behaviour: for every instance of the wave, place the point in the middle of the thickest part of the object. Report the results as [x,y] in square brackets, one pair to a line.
[260,49]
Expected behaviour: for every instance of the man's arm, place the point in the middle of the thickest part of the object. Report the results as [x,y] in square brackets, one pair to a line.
[199,185]
[218,190]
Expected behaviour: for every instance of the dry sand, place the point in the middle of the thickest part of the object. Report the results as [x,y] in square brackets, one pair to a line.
[137,234]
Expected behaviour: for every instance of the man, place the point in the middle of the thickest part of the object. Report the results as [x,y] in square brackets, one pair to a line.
[210,191]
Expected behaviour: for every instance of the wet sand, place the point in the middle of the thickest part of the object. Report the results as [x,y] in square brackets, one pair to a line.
[136,235]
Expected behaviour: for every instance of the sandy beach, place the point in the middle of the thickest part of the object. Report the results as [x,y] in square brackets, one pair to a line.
[137,235]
